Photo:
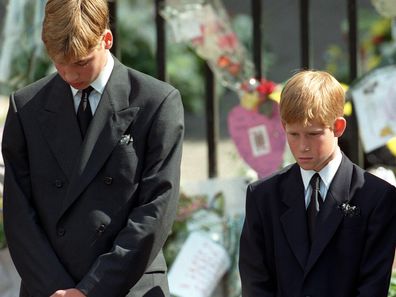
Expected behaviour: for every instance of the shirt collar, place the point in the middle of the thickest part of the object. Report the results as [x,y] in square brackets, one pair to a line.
[100,82]
[326,174]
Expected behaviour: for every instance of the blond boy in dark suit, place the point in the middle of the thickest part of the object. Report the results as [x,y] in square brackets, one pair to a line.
[92,156]
[322,226]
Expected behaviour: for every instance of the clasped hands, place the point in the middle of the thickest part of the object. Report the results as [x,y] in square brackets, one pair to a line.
[68,293]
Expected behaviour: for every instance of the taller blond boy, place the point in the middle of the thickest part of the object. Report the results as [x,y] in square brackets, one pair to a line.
[92,156]
[323,226]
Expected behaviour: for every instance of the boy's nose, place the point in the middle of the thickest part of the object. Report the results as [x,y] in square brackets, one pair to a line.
[71,76]
[304,147]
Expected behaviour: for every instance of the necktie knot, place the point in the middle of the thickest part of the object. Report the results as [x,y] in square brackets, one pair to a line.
[87,91]
[84,113]
[85,95]
[315,182]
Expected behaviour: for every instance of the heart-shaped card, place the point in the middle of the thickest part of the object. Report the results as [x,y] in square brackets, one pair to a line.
[260,139]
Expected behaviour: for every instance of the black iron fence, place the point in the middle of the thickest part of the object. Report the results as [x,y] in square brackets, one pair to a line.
[350,143]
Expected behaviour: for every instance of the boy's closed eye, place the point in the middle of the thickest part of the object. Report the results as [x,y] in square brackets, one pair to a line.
[82,63]
[315,133]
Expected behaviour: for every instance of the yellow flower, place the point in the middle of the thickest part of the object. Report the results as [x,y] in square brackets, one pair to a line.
[392,145]
[381,27]
[373,62]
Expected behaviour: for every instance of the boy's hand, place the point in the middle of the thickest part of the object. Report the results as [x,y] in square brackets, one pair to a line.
[68,293]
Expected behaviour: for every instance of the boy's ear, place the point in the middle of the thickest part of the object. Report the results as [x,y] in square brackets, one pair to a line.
[339,126]
[108,39]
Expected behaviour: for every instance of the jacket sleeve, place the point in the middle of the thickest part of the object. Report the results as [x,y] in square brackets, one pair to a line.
[256,278]
[379,249]
[150,222]
[35,260]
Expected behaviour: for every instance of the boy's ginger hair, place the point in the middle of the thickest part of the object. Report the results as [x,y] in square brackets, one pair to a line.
[72,28]
[311,95]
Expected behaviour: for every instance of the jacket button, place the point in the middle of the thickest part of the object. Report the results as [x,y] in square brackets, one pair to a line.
[61,232]
[58,183]
[101,228]
[108,180]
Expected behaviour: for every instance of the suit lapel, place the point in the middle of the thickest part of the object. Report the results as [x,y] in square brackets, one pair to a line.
[294,219]
[59,125]
[341,190]
[112,118]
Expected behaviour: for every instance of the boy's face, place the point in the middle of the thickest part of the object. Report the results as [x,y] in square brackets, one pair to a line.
[80,74]
[313,146]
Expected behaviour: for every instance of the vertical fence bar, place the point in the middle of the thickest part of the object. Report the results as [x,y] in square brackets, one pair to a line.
[212,121]
[257,40]
[352,39]
[113,26]
[304,33]
[354,148]
[161,41]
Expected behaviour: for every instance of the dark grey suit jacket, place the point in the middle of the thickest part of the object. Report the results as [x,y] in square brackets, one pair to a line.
[92,214]
[351,256]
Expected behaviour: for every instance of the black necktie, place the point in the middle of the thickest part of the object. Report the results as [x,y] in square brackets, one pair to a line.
[84,113]
[312,210]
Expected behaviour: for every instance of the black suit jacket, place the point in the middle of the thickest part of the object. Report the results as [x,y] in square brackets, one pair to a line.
[92,214]
[350,256]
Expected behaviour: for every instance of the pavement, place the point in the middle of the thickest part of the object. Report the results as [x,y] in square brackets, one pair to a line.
[9,278]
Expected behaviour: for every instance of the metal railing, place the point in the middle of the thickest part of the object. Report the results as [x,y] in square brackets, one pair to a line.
[350,143]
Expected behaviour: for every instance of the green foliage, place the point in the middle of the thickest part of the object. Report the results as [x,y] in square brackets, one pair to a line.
[188,205]
[136,37]
[392,287]
[192,210]
[185,70]
[2,235]
[375,47]
[23,48]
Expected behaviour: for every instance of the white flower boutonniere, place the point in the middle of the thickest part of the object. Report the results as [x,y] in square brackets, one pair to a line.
[349,210]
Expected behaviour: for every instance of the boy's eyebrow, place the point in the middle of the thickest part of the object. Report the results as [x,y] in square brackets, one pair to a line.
[84,60]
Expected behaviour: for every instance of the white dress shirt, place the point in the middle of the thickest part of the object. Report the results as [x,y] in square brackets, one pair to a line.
[326,175]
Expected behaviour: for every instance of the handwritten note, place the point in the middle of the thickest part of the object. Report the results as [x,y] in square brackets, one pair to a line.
[374,98]
[198,267]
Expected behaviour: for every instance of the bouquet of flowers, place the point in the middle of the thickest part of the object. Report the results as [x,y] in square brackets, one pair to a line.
[206,214]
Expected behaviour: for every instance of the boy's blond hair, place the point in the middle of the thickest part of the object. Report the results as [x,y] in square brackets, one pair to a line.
[72,28]
[311,95]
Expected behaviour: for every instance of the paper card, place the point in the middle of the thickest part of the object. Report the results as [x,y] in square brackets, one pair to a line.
[374,98]
[259,141]
[198,267]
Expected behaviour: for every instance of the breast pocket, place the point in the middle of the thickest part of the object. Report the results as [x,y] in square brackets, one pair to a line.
[124,148]
[122,163]
[353,223]
[352,230]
